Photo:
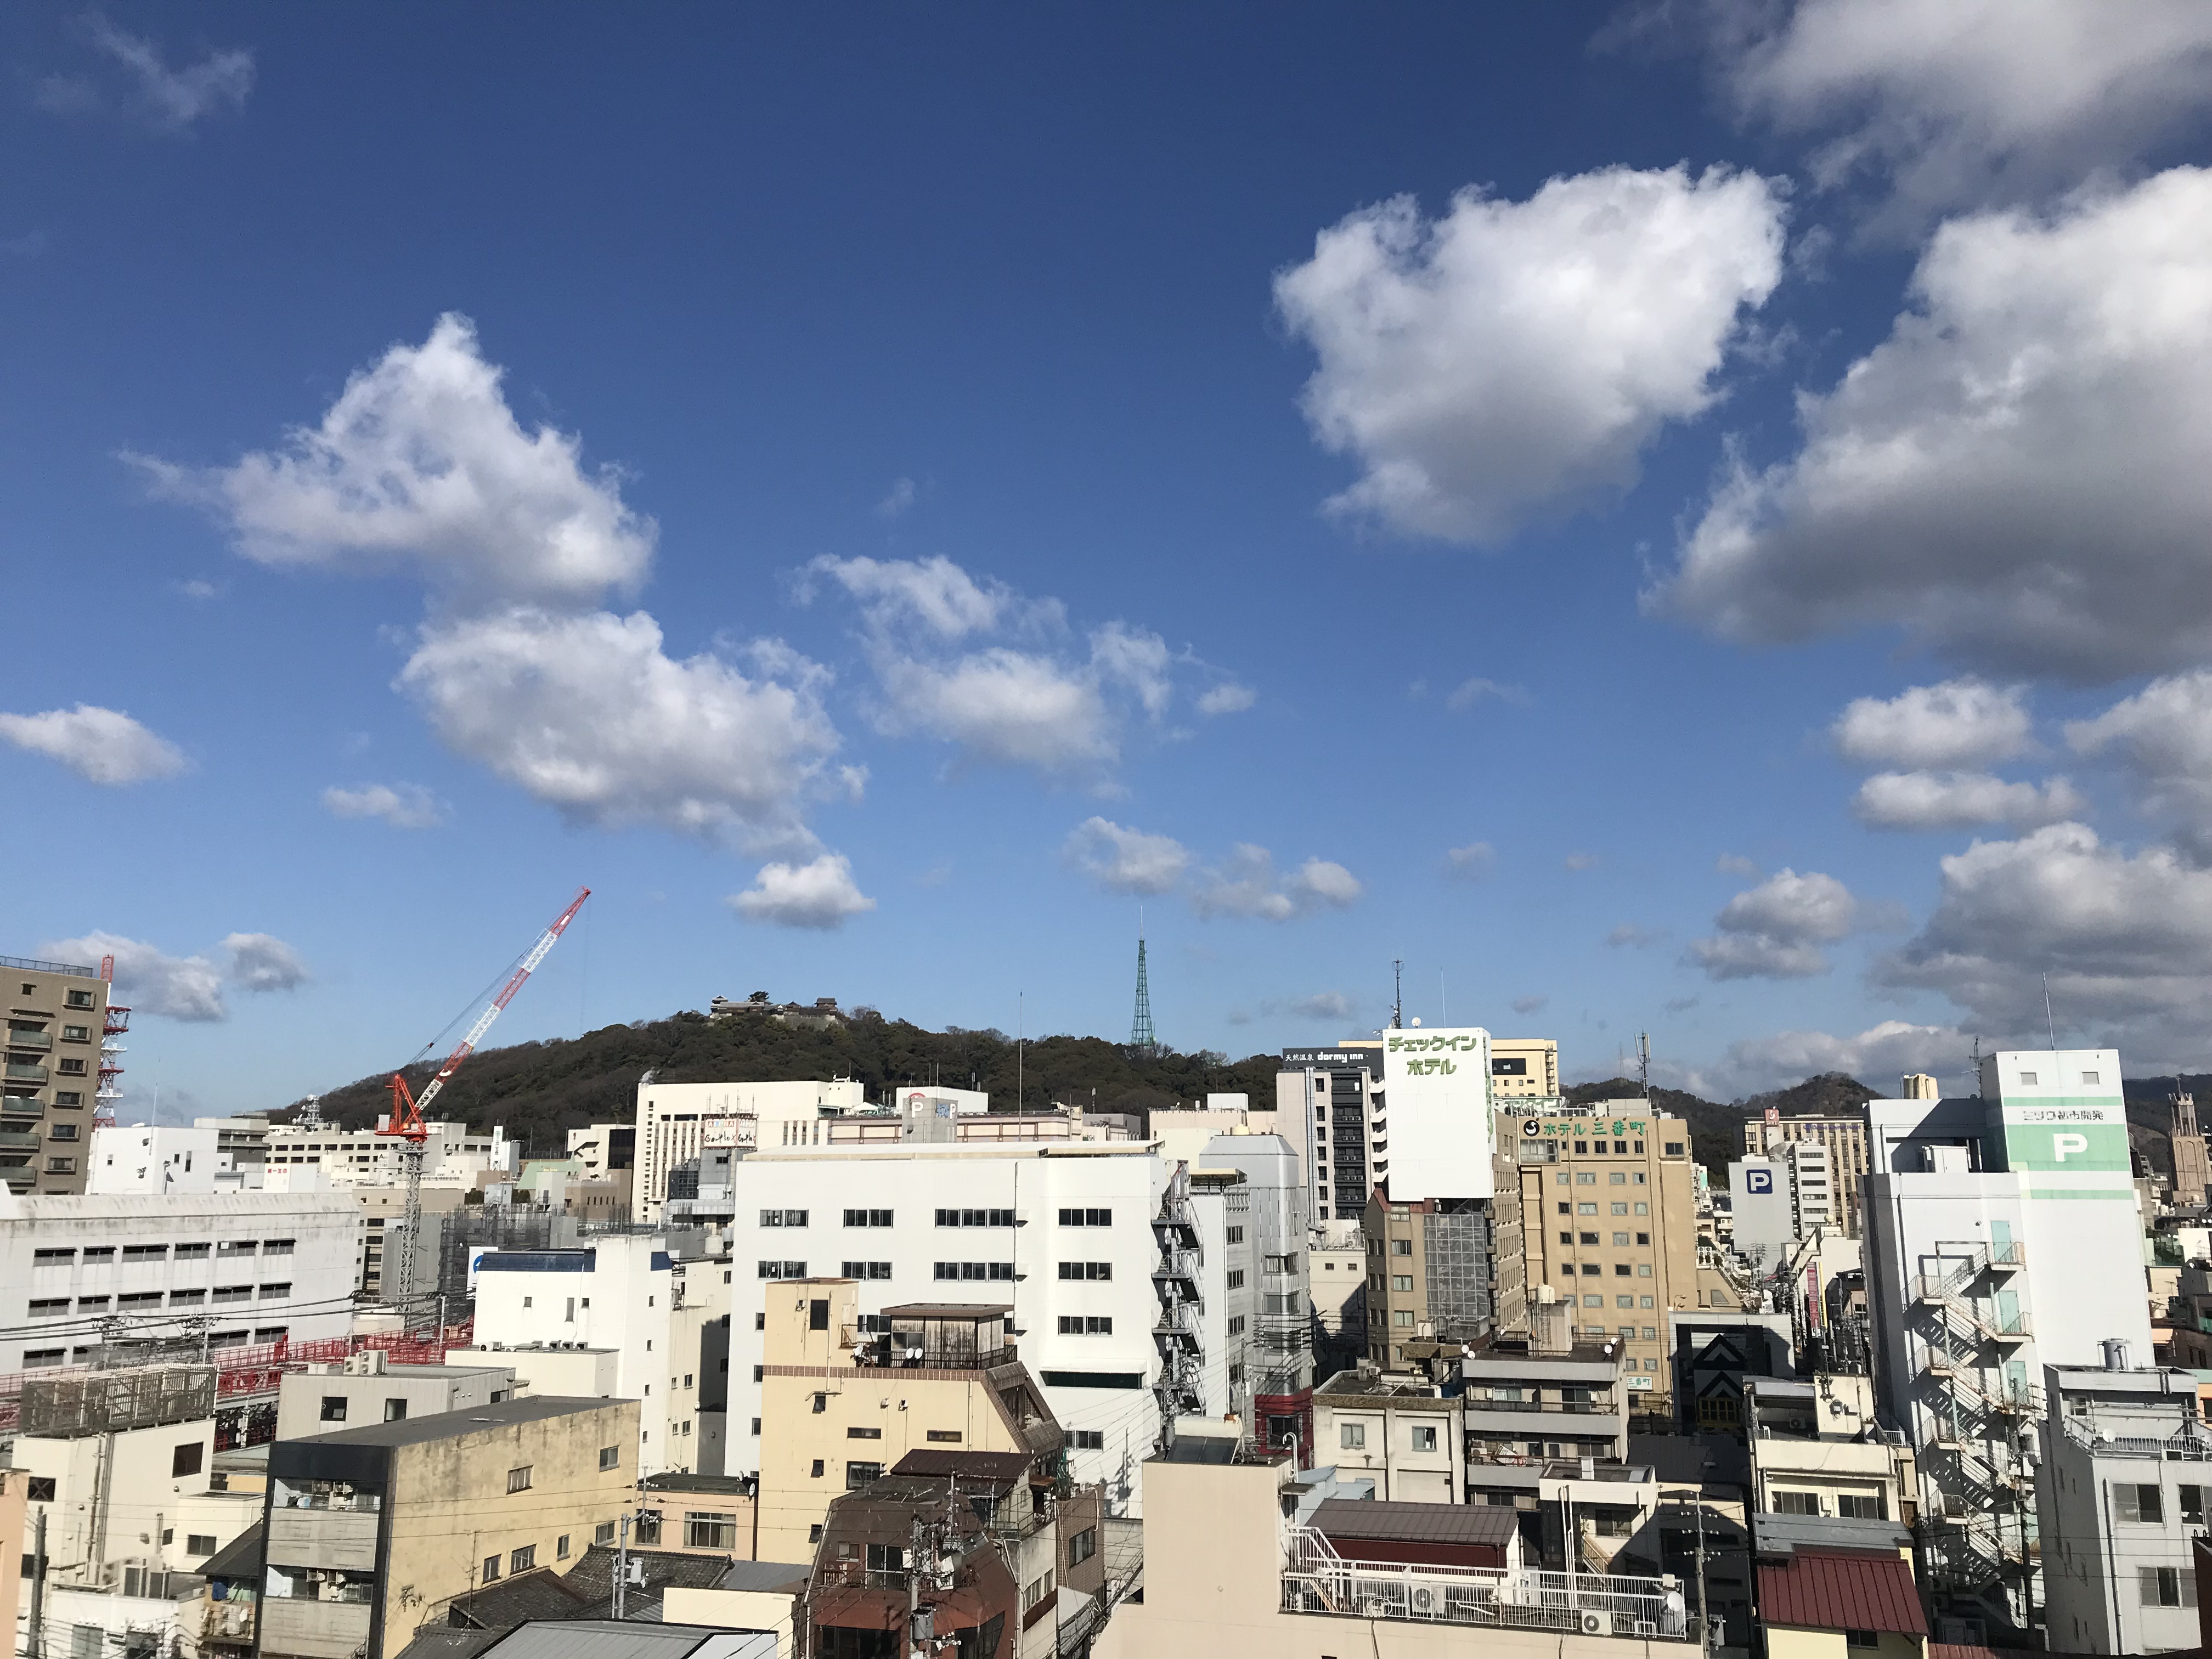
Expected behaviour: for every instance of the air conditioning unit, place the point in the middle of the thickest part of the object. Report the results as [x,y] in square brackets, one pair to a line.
[1425,1599]
[1595,1624]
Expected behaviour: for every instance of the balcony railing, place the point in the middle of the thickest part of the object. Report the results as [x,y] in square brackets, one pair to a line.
[30,1040]
[26,1072]
[1584,1407]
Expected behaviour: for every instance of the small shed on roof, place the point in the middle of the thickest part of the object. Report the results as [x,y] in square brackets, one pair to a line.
[1428,1534]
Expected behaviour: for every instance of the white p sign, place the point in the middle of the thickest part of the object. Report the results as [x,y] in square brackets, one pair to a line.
[2062,1144]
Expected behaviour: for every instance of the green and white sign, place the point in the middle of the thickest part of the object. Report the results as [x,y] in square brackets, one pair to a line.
[1436,1085]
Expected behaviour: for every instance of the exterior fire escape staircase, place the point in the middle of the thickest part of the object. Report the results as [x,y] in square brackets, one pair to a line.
[1180,1389]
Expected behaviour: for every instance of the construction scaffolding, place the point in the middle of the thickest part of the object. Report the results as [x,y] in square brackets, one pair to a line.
[78,1403]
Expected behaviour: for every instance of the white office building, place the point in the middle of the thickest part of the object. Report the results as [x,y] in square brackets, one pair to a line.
[452,1155]
[1781,1200]
[1059,1231]
[2127,1466]
[1280,1359]
[2001,1238]
[677,1122]
[163,1160]
[246,1268]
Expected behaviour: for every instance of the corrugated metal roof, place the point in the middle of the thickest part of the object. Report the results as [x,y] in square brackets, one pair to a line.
[1486,1525]
[1817,1591]
[604,1638]
[990,1469]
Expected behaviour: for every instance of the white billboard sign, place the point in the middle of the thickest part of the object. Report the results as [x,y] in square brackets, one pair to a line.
[1436,1087]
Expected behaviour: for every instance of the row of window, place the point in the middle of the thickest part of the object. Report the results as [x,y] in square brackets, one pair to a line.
[986,1270]
[985,1218]
[1587,1208]
[56,1307]
[2146,1503]
[95,1254]
[1596,1270]
[1588,1178]
[1620,1239]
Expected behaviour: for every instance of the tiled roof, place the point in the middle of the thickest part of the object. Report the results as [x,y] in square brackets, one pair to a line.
[536,1593]
[1819,1591]
[983,1468]
[1486,1525]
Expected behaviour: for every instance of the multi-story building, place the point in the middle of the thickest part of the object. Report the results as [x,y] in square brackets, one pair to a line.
[676,1121]
[79,1272]
[1336,1280]
[1817,1450]
[371,1532]
[1395,1429]
[1280,1355]
[1063,1231]
[1530,1402]
[1829,1588]
[1445,1270]
[843,1404]
[1525,1071]
[1781,1199]
[2192,1171]
[1609,1218]
[618,1293]
[58,1030]
[367,1388]
[1994,1226]
[1329,1104]
[1844,1139]
[607,1152]
[2121,1492]
[384,1222]
[454,1154]
[163,1160]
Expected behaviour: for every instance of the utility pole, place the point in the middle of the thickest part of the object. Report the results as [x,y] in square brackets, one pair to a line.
[913,1589]
[621,1564]
[37,1647]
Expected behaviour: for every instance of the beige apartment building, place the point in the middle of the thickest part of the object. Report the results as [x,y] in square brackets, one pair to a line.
[57,1025]
[1524,1069]
[1609,1220]
[1845,1137]
[842,1403]
[372,1531]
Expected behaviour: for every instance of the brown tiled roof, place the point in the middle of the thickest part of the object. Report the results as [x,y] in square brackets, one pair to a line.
[1818,1591]
[1416,1523]
[990,1469]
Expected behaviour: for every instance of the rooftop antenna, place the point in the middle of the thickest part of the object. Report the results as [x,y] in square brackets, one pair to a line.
[1977,1065]
[1397,995]
[2050,1024]
[1643,1061]
[1141,1028]
[1021,1046]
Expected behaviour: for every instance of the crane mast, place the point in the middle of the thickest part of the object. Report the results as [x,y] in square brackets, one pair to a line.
[405,1122]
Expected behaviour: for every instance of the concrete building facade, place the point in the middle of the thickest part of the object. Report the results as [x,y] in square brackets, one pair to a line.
[56,1035]
[1781,1199]
[1846,1139]
[676,1121]
[1332,1101]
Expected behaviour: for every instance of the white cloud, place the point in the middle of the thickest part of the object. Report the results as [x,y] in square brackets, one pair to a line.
[1735,864]
[901,496]
[1038,704]
[1324,1005]
[262,962]
[1963,101]
[149,980]
[820,894]
[2015,477]
[1124,861]
[102,745]
[1955,800]
[1629,936]
[1878,1057]
[420,463]
[1247,883]
[1515,357]
[403,806]
[2163,735]
[2125,937]
[1227,699]
[1530,1005]
[1473,862]
[1960,723]
[172,99]
[1774,930]
[1578,862]
[590,715]
[1467,692]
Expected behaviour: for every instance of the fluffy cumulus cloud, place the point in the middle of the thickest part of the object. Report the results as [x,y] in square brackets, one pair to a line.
[1247,883]
[1473,862]
[1511,359]
[1125,860]
[149,980]
[820,894]
[1959,801]
[403,806]
[2015,476]
[1956,101]
[1959,723]
[170,98]
[421,464]
[2162,736]
[2126,938]
[1001,677]
[1775,930]
[1228,698]
[589,714]
[1878,1057]
[102,745]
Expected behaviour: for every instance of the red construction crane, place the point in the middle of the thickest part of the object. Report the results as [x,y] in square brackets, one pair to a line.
[405,1122]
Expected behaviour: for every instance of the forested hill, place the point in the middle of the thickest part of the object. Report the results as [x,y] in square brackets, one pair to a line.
[541,1090]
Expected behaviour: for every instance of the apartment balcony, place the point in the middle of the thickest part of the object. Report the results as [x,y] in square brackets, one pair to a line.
[41,1040]
[19,1140]
[21,1071]
[23,1106]
[315,1629]
[344,1540]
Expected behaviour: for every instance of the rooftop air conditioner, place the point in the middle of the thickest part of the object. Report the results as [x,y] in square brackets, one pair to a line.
[1425,1599]
[1595,1624]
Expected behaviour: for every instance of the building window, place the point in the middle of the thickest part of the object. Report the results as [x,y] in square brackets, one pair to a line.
[1424,1438]
[1101,1270]
[609,1457]
[523,1559]
[946,1436]
[783,1270]
[395,1411]
[1402,1282]
[1236,1278]
[2140,1503]
[1082,1546]
[187,1459]
[867,1218]
[491,1570]
[974,1218]
[1089,1325]
[1861,1506]
[40,1489]
[519,1479]
[334,1408]
[1860,1638]
[1402,1246]
[2169,1587]
[1795,1502]
[1074,1217]
[783,1218]
[1235,1235]
[604,1533]
[984,1270]
[710,1531]
[867,1270]
[2089,1078]
[561,1547]
[858,1475]
[1087,1439]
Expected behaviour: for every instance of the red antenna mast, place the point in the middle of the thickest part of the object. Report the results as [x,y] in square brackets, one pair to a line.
[117,1023]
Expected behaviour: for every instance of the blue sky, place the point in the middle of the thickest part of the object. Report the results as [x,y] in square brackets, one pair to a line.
[880,495]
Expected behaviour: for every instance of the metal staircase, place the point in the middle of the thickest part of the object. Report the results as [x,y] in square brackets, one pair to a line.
[1180,1389]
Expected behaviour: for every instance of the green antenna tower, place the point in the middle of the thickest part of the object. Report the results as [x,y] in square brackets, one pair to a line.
[1141,1028]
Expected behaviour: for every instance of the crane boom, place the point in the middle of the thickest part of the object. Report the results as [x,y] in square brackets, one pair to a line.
[406,1120]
